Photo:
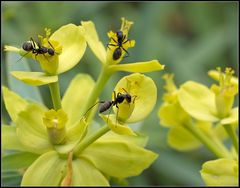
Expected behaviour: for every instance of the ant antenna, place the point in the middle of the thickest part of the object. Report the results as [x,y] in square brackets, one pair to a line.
[92,107]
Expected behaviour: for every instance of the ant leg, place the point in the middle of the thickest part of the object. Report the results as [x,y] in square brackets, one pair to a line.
[22,57]
[50,44]
[114,95]
[111,45]
[124,90]
[124,37]
[126,41]
[116,115]
[114,40]
[46,58]
[126,52]
[109,114]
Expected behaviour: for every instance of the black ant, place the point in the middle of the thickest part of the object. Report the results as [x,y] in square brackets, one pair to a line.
[121,39]
[118,99]
[31,46]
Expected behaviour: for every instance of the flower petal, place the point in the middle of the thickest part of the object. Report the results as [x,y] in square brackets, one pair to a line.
[232,118]
[197,100]
[74,99]
[118,158]
[115,126]
[85,174]
[143,89]
[73,46]
[14,103]
[31,131]
[46,170]
[180,139]
[16,161]
[140,140]
[172,115]
[10,139]
[147,66]
[34,78]
[11,49]
[220,172]
[93,41]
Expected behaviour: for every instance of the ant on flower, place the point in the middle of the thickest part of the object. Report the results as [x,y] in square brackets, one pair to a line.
[121,39]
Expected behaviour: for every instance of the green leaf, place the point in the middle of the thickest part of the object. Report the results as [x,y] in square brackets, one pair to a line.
[47,170]
[18,160]
[197,100]
[86,174]
[76,96]
[10,139]
[119,158]
[220,172]
[11,178]
[34,78]
[148,66]
[13,102]
[31,131]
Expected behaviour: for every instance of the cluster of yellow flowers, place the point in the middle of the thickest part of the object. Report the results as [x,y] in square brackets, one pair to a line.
[64,148]
[62,143]
[197,115]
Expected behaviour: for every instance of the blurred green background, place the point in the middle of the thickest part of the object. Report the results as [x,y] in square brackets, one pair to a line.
[190,38]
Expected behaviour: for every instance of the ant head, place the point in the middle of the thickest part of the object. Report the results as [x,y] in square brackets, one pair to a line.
[119,34]
[50,51]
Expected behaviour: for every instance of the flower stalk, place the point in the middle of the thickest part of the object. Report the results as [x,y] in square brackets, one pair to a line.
[102,80]
[91,139]
[55,94]
[213,147]
[232,134]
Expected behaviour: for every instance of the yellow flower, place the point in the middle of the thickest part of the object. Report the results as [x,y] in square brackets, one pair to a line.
[113,47]
[55,122]
[174,116]
[210,105]
[225,92]
[49,162]
[143,92]
[220,172]
[106,56]
[68,45]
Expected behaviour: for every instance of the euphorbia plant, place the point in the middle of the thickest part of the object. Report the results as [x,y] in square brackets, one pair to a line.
[63,146]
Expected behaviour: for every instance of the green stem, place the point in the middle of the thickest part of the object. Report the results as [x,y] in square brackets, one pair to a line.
[86,142]
[102,79]
[232,134]
[55,94]
[206,140]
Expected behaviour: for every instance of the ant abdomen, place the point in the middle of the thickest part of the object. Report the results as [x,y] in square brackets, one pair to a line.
[105,106]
